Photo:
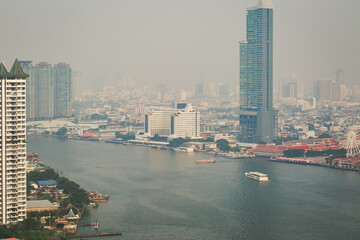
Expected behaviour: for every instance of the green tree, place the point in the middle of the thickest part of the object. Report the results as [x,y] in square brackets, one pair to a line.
[294,153]
[156,137]
[47,175]
[311,126]
[235,149]
[176,142]
[62,131]
[223,145]
[125,137]
[5,232]
[327,118]
[95,116]
[325,135]
[79,196]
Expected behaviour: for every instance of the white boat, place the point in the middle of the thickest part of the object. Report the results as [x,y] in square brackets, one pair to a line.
[183,149]
[262,177]
[205,161]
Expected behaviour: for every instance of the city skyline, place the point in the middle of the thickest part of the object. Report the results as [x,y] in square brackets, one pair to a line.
[178,43]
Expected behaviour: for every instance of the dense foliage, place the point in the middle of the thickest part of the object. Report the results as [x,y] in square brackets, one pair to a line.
[61,131]
[325,135]
[223,145]
[340,153]
[29,229]
[78,195]
[97,116]
[125,137]
[311,126]
[158,138]
[294,153]
[177,142]
[49,174]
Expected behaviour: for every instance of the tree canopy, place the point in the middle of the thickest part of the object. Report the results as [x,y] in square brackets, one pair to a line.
[125,137]
[62,131]
[177,142]
[325,135]
[223,145]
[97,116]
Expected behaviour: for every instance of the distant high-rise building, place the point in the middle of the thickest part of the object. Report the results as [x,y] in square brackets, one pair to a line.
[181,95]
[30,88]
[257,116]
[293,88]
[355,92]
[44,91]
[224,90]
[198,90]
[13,144]
[162,90]
[340,76]
[180,121]
[62,90]
[185,123]
[76,85]
[49,91]
[327,90]
[158,121]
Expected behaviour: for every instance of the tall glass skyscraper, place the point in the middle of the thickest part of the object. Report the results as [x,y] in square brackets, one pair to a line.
[257,116]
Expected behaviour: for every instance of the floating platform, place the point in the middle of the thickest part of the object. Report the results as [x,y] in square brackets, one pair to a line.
[104,234]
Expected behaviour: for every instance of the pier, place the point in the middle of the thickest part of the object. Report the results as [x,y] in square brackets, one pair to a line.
[104,234]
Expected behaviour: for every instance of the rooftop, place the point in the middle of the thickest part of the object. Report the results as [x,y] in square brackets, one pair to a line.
[38,203]
[47,182]
[15,72]
[265,4]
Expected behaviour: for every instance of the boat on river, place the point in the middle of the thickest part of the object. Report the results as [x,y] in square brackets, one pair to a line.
[97,197]
[205,161]
[262,177]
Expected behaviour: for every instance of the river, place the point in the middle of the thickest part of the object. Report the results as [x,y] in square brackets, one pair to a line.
[157,194]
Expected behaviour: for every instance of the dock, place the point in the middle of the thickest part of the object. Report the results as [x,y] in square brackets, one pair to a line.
[104,234]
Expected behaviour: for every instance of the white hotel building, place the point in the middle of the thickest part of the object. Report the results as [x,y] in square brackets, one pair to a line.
[12,144]
[183,122]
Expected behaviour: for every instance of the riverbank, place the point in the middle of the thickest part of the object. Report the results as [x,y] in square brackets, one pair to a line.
[313,161]
[58,202]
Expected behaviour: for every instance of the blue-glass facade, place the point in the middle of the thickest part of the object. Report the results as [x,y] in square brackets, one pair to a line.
[257,117]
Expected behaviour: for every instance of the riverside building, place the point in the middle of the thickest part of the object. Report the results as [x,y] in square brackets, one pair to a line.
[257,116]
[181,121]
[13,144]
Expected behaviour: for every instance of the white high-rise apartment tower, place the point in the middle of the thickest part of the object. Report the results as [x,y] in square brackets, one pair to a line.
[12,144]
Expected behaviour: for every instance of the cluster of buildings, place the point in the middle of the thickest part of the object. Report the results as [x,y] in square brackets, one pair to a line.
[306,145]
[48,93]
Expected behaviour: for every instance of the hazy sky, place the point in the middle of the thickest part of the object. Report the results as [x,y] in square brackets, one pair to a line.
[179,42]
